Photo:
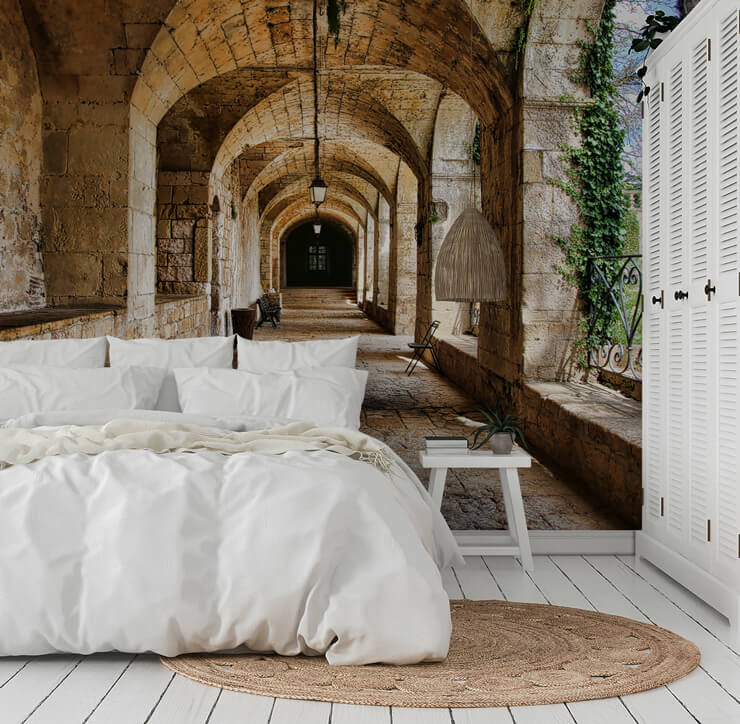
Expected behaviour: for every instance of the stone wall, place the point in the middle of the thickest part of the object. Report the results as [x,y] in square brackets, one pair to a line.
[177,317]
[403,254]
[182,232]
[21,268]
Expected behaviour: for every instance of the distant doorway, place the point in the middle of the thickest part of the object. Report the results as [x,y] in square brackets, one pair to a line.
[319,261]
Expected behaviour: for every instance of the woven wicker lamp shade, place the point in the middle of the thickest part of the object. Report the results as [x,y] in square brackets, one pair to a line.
[470,265]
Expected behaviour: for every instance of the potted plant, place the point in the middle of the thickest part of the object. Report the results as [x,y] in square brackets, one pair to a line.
[501,431]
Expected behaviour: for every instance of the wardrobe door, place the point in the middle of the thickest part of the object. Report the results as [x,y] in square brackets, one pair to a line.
[725,515]
[701,409]
[654,357]
[676,504]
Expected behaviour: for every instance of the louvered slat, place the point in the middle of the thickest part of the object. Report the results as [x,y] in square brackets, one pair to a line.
[654,417]
[654,192]
[676,176]
[700,163]
[728,143]
[677,422]
[728,500]
[701,440]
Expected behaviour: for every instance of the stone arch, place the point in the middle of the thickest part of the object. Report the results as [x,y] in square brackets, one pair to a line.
[455,184]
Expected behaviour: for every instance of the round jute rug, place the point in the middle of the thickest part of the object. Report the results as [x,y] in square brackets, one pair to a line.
[501,654]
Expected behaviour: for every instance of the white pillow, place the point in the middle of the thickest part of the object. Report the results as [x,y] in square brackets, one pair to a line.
[41,389]
[171,353]
[262,357]
[54,352]
[330,396]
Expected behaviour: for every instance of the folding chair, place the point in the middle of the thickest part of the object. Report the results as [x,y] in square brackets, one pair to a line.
[421,347]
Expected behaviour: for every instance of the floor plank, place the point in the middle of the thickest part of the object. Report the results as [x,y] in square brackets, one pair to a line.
[476,581]
[690,604]
[603,711]
[717,659]
[513,580]
[349,714]
[702,696]
[233,707]
[406,715]
[135,695]
[80,693]
[657,705]
[10,667]
[185,702]
[24,692]
[549,714]
[290,711]
[499,715]
[452,587]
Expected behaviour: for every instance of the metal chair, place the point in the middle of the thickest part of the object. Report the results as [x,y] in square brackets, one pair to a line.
[421,347]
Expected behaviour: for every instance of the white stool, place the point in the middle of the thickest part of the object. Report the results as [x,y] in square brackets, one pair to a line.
[516,543]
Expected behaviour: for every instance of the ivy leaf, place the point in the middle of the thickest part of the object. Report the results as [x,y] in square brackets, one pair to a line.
[639,45]
[640,96]
[655,42]
[641,72]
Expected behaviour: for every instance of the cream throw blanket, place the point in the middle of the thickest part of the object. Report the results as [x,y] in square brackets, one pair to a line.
[20,446]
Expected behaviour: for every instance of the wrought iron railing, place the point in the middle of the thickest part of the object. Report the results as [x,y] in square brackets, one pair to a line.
[616,282]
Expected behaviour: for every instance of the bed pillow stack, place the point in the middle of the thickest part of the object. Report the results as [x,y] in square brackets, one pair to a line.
[169,354]
[313,381]
[67,374]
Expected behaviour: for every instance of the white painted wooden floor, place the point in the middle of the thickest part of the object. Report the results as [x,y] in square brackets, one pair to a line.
[124,689]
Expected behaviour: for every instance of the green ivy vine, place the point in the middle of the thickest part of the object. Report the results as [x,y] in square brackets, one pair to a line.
[473,148]
[596,183]
[527,7]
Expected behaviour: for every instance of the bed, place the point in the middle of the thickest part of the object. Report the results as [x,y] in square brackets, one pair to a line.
[255,516]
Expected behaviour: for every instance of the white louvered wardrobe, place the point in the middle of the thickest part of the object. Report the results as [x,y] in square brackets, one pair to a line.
[691,325]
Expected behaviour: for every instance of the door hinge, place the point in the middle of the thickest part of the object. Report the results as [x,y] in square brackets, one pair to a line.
[709,531]
[709,290]
[642,109]
[655,300]
[662,507]
[662,91]
[709,48]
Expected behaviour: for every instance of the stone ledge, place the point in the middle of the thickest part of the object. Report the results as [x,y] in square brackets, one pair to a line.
[64,321]
[588,433]
[593,434]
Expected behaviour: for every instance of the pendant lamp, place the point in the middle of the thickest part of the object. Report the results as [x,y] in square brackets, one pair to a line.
[317,226]
[470,265]
[317,189]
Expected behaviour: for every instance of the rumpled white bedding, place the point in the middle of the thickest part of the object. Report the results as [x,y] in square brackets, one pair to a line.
[304,552]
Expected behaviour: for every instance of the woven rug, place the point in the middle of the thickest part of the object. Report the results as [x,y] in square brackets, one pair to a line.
[501,654]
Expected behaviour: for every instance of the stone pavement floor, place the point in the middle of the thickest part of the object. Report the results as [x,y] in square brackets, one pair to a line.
[402,410]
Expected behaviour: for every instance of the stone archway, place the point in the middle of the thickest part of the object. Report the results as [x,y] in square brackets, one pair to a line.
[324,260]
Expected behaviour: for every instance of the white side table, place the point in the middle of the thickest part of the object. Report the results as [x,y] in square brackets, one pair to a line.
[507,466]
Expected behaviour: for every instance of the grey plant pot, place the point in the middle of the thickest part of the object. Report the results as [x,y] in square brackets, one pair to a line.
[502,442]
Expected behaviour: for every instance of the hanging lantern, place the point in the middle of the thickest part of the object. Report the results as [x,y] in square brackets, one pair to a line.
[470,265]
[317,227]
[317,189]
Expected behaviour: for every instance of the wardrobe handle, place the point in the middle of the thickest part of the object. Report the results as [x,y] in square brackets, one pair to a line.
[659,300]
[680,295]
[709,290]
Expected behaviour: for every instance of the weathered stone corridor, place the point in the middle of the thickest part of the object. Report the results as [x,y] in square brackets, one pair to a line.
[402,410]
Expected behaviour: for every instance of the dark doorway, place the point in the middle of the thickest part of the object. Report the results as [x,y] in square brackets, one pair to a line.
[319,261]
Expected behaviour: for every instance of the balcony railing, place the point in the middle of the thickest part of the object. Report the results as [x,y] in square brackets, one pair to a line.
[616,281]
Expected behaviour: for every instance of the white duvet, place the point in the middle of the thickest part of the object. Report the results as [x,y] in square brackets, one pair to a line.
[302,552]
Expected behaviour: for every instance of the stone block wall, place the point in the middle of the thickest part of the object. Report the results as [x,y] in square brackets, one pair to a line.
[403,254]
[182,232]
[21,267]
[178,318]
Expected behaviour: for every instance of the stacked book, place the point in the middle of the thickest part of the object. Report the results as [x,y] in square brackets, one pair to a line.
[447,445]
